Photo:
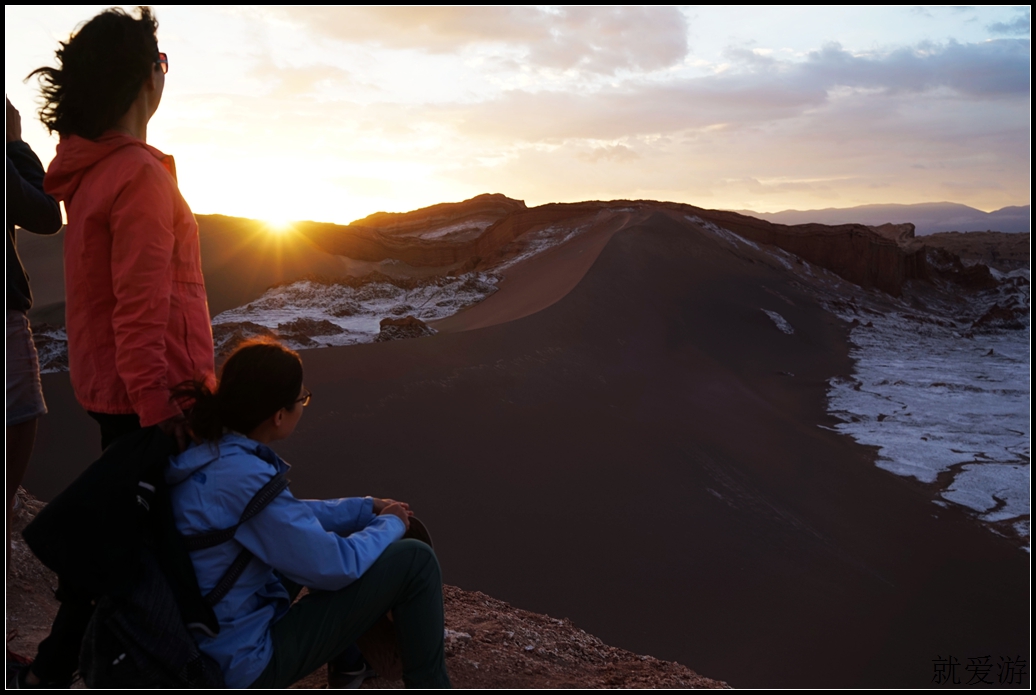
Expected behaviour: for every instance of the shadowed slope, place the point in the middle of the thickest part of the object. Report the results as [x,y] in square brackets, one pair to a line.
[638,457]
[536,283]
[243,258]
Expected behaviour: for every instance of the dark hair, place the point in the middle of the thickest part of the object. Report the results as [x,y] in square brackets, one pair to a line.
[103,66]
[257,380]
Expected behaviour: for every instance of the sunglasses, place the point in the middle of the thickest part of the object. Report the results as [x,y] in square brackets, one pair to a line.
[163,62]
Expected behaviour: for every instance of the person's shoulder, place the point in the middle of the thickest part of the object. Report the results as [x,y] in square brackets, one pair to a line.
[134,159]
[116,153]
[241,456]
[227,472]
[230,451]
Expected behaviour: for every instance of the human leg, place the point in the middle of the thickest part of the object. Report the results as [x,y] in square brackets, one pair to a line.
[25,402]
[406,580]
[57,658]
[349,668]
[20,441]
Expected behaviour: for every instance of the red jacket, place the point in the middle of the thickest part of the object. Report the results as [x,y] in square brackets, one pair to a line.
[135,308]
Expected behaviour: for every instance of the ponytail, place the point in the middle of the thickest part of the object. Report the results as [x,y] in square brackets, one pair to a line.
[201,405]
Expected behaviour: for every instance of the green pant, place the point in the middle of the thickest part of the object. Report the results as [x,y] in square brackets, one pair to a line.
[406,580]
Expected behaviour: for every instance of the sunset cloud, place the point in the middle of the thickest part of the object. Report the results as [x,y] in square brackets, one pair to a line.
[334,112]
[764,90]
[592,39]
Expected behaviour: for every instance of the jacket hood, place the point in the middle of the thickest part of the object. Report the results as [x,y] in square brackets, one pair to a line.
[75,155]
[198,456]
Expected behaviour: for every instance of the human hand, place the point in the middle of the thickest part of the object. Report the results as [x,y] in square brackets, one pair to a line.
[14,123]
[380,504]
[398,510]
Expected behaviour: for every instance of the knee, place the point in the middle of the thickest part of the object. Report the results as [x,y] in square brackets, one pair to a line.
[423,561]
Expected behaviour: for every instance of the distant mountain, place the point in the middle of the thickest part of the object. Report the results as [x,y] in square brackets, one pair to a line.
[928,218]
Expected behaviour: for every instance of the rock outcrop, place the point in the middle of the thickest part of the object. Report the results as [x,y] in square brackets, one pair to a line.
[403,329]
[309,327]
[227,336]
[1003,317]
[444,219]
[880,259]
[1000,250]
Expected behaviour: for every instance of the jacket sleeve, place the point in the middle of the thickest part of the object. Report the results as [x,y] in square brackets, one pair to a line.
[288,536]
[343,516]
[142,253]
[27,205]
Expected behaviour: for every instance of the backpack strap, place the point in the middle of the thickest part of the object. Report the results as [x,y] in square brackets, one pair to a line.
[230,577]
[266,494]
[210,539]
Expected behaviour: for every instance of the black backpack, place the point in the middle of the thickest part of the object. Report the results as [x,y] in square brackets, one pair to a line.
[111,536]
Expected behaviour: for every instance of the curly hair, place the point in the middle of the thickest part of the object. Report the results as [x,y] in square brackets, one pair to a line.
[102,68]
[258,379]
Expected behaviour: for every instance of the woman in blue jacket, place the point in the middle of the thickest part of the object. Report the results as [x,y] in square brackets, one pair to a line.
[348,552]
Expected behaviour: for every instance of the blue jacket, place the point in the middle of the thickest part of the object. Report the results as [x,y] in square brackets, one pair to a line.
[320,544]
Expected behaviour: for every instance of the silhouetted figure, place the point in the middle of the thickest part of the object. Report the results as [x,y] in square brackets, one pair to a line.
[33,210]
[136,311]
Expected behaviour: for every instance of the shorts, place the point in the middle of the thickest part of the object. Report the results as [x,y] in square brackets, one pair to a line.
[24,392]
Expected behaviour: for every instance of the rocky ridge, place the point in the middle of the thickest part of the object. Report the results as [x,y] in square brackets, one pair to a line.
[883,257]
[435,261]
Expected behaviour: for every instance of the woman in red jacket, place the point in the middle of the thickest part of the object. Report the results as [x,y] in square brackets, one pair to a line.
[136,312]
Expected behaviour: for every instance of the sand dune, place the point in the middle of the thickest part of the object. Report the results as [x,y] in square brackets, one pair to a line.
[626,435]
[637,457]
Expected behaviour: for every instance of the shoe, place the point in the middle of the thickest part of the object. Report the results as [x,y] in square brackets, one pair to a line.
[340,679]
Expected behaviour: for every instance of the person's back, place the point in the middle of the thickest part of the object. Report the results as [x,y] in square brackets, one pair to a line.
[137,314]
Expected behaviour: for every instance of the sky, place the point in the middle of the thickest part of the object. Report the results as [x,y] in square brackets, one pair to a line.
[333,113]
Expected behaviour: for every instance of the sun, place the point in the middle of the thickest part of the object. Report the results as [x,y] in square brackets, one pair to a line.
[279,225]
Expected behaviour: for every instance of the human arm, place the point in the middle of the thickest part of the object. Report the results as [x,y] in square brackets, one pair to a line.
[143,242]
[28,206]
[343,516]
[289,537]
[351,514]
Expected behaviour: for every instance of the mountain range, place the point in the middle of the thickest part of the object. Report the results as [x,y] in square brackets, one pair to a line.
[927,218]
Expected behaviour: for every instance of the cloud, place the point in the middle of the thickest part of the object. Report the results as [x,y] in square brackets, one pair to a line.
[991,68]
[1019,26]
[600,40]
[613,153]
[762,90]
[289,82]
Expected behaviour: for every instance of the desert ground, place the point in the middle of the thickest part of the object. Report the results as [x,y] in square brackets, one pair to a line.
[632,433]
